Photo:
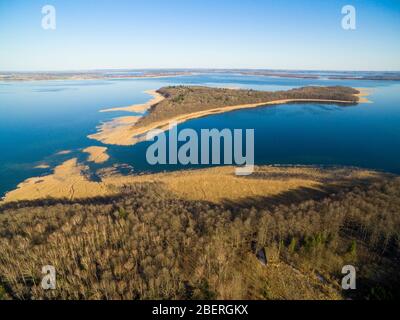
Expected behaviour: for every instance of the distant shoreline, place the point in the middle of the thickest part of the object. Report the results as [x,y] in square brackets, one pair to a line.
[167,73]
[25,77]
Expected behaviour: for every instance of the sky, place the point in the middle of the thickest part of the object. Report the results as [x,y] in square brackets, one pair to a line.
[269,34]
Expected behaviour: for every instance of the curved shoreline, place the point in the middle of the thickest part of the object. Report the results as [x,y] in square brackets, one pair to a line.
[118,128]
[362,96]
[113,133]
[69,179]
[140,108]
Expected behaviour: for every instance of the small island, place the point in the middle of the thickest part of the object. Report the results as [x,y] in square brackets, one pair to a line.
[182,103]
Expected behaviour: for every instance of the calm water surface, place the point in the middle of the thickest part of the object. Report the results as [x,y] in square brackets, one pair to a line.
[39,119]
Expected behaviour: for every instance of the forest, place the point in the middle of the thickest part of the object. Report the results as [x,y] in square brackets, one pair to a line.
[181,100]
[146,243]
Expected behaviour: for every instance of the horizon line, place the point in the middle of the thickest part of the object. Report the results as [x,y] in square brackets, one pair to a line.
[192,69]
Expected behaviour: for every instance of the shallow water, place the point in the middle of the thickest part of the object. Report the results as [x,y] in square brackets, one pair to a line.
[39,119]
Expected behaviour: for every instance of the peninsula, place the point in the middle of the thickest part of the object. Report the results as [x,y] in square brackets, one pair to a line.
[181,103]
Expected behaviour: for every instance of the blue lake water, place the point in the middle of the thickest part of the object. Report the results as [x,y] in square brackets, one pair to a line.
[39,119]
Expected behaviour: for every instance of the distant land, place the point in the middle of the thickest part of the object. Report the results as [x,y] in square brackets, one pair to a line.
[158,73]
[88,75]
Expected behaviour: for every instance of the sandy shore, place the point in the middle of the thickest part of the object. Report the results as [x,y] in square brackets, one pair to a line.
[362,96]
[97,154]
[116,129]
[140,108]
[126,135]
[119,128]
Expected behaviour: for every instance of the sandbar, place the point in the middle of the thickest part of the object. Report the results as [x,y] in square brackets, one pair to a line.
[362,96]
[64,152]
[140,108]
[42,166]
[97,154]
[116,129]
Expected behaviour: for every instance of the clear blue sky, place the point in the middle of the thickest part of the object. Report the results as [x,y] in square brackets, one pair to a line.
[276,34]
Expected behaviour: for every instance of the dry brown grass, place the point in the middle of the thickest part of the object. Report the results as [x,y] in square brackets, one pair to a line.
[217,184]
[67,181]
[220,183]
[97,154]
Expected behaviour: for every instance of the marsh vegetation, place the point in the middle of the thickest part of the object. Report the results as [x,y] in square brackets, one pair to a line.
[181,100]
[146,243]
